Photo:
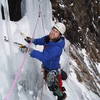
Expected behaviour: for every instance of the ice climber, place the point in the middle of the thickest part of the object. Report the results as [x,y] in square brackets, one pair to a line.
[50,57]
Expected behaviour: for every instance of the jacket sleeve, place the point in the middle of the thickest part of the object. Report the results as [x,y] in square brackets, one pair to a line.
[39,41]
[46,55]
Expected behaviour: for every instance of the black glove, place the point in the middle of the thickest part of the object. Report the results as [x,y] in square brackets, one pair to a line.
[23,48]
[28,39]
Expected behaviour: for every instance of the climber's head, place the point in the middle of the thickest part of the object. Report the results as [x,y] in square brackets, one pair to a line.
[57,31]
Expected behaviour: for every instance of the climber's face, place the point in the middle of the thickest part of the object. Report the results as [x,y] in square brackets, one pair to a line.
[54,34]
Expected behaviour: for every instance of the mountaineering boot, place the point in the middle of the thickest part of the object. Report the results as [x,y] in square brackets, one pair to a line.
[63,97]
[63,89]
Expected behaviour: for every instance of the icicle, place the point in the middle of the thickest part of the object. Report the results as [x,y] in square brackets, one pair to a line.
[7,23]
[0,12]
[9,35]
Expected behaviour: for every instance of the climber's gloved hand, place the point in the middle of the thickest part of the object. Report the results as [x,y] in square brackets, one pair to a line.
[23,48]
[28,39]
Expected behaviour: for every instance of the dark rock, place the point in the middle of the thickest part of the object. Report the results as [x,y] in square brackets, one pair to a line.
[15,10]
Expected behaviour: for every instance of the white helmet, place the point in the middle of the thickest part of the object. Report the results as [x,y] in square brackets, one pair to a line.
[60,27]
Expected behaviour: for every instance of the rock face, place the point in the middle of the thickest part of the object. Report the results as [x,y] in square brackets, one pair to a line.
[82,19]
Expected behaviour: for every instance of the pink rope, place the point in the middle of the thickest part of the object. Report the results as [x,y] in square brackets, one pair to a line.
[18,74]
[17,77]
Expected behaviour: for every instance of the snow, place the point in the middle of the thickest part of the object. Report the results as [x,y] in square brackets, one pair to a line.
[62,5]
[31,86]
[98,66]
[71,4]
[85,57]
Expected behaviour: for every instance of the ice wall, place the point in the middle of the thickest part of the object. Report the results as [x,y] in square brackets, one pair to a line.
[11,57]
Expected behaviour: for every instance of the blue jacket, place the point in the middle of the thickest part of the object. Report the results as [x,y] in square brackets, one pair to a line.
[50,56]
